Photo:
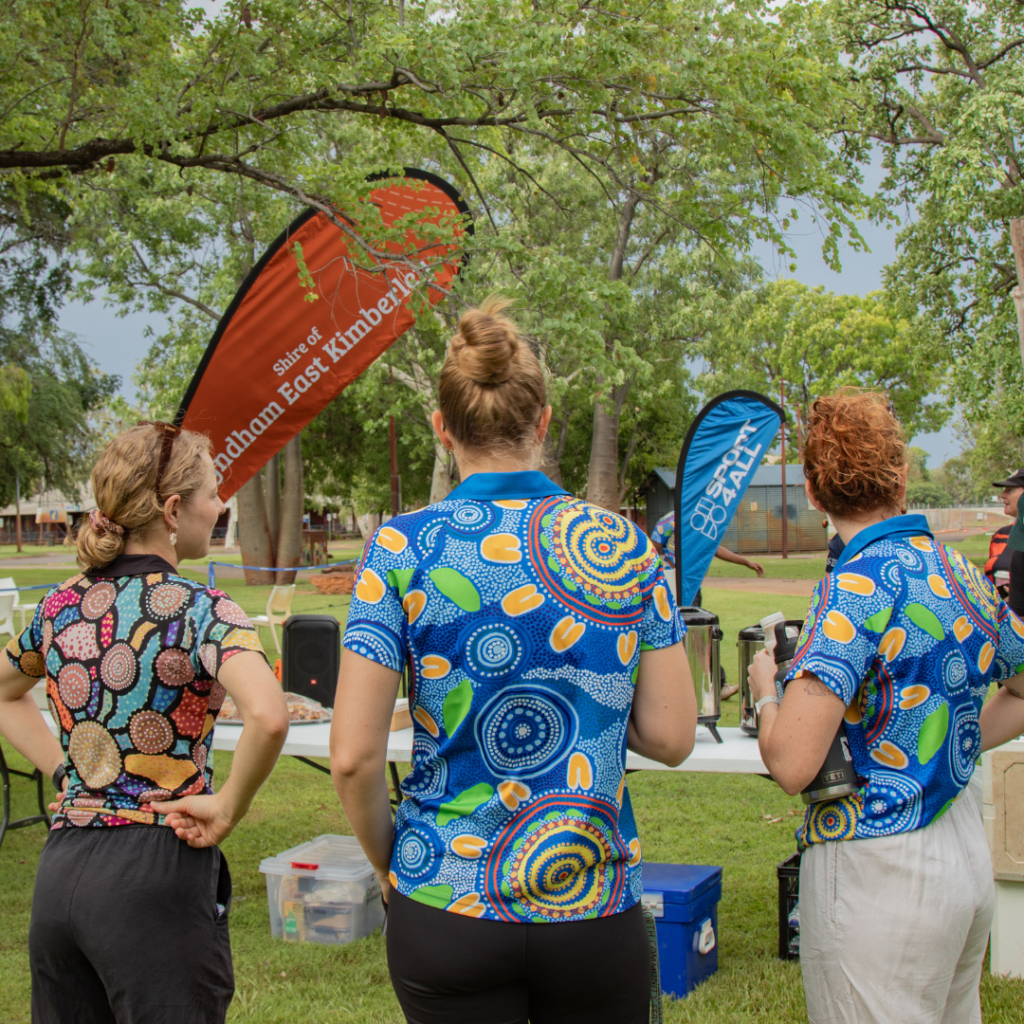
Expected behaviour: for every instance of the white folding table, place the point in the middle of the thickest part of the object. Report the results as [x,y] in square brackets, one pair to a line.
[737,754]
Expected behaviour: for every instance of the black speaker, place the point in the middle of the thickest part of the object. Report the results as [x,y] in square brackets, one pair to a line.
[312,657]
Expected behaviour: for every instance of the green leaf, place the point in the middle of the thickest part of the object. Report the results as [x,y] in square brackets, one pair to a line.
[932,734]
[465,803]
[433,895]
[926,619]
[456,706]
[877,622]
[456,588]
[399,579]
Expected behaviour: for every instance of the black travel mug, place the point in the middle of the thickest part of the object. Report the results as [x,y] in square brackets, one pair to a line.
[836,777]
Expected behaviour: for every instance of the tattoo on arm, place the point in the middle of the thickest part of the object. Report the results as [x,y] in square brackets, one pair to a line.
[816,688]
[1013,690]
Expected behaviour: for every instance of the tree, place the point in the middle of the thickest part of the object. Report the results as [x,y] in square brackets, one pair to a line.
[788,339]
[939,92]
[51,393]
[693,123]
[960,481]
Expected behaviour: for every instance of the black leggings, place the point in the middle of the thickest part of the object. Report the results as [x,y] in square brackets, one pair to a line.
[449,969]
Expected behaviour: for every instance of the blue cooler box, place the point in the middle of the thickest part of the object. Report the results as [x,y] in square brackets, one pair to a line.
[684,900]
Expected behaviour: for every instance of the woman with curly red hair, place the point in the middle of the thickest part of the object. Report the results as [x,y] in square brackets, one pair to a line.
[901,642]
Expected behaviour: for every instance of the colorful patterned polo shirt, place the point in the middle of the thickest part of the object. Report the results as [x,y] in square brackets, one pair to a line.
[521,613]
[662,534]
[909,634]
[131,654]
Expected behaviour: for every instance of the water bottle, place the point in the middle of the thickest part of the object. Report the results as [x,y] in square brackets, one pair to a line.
[836,777]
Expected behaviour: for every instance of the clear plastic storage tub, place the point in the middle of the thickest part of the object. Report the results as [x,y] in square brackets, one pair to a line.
[322,891]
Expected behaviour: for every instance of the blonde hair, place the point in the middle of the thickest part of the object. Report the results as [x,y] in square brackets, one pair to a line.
[124,483]
[491,389]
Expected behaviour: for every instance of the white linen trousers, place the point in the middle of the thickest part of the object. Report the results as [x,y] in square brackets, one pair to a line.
[894,930]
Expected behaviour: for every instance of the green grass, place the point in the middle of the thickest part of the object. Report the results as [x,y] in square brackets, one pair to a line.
[683,818]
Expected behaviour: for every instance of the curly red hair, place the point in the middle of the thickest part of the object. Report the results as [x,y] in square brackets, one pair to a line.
[854,454]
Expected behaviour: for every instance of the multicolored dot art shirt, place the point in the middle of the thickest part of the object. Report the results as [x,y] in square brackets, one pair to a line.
[521,613]
[131,654]
[910,635]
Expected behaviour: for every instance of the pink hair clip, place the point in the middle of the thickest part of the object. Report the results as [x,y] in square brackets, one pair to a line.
[101,524]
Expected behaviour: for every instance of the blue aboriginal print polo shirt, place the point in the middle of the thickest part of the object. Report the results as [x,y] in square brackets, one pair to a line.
[910,635]
[521,613]
[662,534]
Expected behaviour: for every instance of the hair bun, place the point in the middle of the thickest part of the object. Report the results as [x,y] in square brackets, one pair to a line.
[489,344]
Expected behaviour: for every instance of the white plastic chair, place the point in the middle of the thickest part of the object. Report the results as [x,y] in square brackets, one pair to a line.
[26,609]
[279,607]
[7,600]
[8,586]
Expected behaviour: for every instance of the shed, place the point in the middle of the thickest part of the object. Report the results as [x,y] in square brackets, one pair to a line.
[756,526]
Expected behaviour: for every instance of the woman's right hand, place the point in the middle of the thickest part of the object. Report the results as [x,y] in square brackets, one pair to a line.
[200,821]
[384,877]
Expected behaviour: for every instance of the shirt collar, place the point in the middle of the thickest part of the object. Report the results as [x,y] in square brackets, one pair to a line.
[132,565]
[493,486]
[888,529]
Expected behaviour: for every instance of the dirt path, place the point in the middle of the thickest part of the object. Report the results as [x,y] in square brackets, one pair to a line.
[793,588]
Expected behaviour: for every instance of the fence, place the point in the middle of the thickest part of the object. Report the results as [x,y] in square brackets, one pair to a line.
[964,518]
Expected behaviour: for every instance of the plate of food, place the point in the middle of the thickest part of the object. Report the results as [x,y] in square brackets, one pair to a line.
[301,711]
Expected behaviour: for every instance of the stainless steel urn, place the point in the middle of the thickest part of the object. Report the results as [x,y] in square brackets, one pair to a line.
[749,642]
[703,643]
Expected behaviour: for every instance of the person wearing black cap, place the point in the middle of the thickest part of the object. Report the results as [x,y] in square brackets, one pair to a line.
[1013,488]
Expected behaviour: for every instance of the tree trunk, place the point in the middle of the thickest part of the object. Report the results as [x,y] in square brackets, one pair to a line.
[603,472]
[441,481]
[253,536]
[293,500]
[1017,242]
[272,489]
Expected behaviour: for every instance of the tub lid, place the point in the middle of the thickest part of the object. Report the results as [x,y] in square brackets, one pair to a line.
[698,617]
[680,883]
[338,858]
[754,632]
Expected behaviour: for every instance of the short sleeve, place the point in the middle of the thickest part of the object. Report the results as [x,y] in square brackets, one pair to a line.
[377,626]
[222,631]
[658,533]
[662,625]
[1009,660]
[842,635]
[25,651]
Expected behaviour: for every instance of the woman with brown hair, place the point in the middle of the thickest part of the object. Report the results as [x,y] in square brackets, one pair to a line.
[541,643]
[129,916]
[901,642]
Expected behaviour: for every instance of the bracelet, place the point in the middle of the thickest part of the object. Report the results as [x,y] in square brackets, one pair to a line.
[771,699]
[60,773]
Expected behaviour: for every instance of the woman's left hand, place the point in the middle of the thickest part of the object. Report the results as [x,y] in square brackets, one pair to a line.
[761,676]
[200,821]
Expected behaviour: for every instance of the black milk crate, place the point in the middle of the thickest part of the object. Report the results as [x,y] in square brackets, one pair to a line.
[789,893]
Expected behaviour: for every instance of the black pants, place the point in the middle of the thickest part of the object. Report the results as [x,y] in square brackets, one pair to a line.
[449,969]
[129,926]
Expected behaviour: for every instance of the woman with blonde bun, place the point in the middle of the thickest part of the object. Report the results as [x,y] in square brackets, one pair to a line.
[130,912]
[541,642]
